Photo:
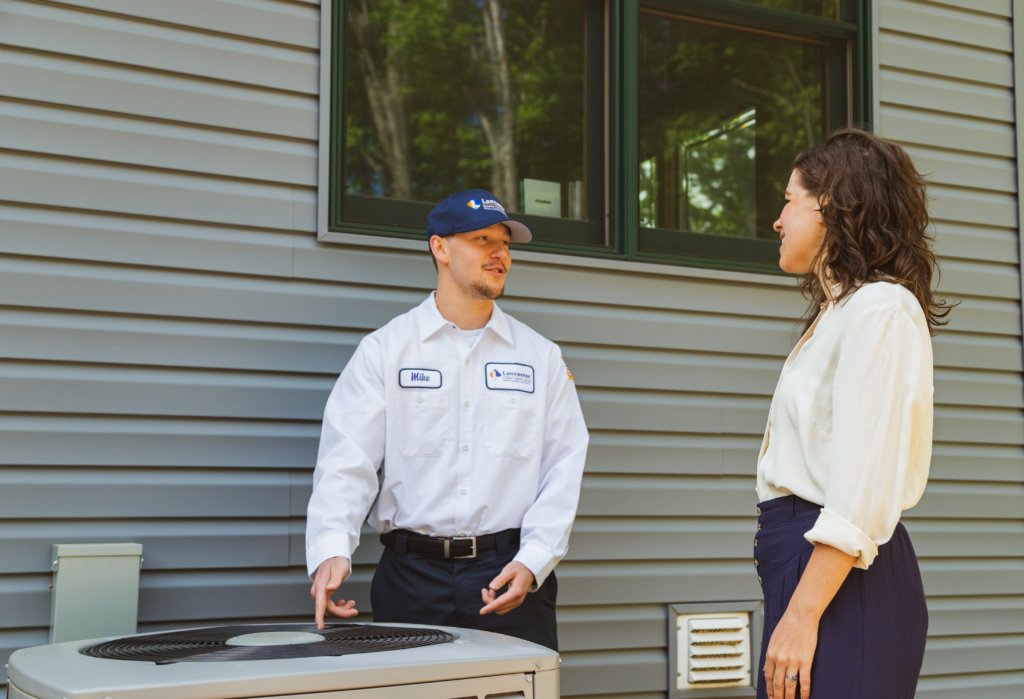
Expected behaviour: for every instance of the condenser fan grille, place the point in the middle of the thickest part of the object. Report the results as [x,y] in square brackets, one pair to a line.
[212,644]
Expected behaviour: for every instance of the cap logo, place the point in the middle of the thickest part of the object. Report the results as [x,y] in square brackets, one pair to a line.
[472,204]
[493,205]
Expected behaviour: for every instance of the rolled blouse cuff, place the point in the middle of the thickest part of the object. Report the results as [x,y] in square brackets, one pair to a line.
[834,531]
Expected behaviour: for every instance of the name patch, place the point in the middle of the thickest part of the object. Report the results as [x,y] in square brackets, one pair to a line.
[509,377]
[419,378]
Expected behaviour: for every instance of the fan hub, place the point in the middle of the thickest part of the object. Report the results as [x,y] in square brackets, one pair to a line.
[275,638]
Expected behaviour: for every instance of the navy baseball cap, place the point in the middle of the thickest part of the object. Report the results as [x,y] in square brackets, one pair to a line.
[470,211]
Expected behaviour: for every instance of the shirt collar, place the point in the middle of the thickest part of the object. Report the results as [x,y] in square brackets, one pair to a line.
[431,320]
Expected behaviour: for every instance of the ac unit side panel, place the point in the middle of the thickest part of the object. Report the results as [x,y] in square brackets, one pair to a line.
[509,686]
[14,693]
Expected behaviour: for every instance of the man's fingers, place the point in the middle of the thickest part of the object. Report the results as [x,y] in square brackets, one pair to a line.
[345,610]
[502,579]
[321,606]
[487,596]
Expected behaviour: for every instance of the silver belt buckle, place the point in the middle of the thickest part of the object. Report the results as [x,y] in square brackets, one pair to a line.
[461,538]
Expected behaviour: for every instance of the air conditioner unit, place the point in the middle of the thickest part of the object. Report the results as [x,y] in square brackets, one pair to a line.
[275,661]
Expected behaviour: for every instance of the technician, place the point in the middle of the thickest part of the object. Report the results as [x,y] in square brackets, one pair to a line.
[477,419]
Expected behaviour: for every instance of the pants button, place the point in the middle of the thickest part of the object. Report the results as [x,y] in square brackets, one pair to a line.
[759,512]
[759,580]
[755,543]
[758,526]
[757,563]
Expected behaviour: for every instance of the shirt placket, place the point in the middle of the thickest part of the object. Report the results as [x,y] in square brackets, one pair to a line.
[466,407]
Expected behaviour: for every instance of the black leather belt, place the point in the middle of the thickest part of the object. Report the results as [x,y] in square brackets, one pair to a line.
[449,547]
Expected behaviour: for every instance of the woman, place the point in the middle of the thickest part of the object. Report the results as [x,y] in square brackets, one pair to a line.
[848,442]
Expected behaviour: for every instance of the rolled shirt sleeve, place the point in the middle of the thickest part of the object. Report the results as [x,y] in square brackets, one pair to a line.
[881,412]
[546,525]
[351,451]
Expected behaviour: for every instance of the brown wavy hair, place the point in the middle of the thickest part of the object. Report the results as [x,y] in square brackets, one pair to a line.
[874,205]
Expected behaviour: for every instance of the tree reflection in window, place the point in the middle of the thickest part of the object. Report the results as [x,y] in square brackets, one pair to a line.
[723,112]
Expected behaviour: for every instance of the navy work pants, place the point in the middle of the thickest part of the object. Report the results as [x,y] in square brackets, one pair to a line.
[412,588]
[871,636]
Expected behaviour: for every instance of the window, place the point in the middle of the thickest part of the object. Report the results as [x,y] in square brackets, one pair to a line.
[660,131]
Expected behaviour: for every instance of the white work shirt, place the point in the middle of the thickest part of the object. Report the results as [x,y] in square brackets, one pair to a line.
[477,439]
[850,427]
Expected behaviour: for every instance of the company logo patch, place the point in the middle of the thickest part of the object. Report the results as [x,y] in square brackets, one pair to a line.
[509,377]
[419,378]
[493,205]
[472,204]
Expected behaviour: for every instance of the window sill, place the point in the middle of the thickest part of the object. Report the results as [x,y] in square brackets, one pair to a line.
[647,269]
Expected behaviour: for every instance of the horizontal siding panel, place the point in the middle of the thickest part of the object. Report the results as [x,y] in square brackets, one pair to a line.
[966,576]
[973,243]
[144,143]
[681,496]
[167,544]
[597,672]
[948,656]
[958,616]
[953,349]
[267,20]
[123,340]
[648,452]
[997,389]
[946,24]
[1003,685]
[124,90]
[24,601]
[101,37]
[963,170]
[69,493]
[972,206]
[964,99]
[50,233]
[668,412]
[959,537]
[1000,8]
[914,126]
[963,63]
[977,462]
[91,186]
[120,441]
[979,425]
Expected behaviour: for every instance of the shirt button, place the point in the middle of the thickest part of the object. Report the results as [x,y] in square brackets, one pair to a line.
[466,404]
[420,399]
[465,447]
[467,360]
[513,400]
[462,491]
[462,533]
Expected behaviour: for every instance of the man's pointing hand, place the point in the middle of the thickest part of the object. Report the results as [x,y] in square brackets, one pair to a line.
[329,576]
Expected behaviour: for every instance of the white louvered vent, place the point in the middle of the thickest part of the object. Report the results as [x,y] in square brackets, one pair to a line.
[714,650]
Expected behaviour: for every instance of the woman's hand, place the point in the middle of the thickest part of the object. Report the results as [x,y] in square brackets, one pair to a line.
[790,653]
[791,648]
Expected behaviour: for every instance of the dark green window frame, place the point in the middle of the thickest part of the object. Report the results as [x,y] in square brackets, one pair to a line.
[612,138]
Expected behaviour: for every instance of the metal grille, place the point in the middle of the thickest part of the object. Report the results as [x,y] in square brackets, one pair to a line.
[210,645]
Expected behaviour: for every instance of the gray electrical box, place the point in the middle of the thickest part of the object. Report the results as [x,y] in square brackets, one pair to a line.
[95,590]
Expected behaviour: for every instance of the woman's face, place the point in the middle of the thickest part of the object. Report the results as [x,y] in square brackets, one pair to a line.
[800,228]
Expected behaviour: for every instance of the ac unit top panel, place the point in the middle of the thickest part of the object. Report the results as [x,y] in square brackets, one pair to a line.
[61,671]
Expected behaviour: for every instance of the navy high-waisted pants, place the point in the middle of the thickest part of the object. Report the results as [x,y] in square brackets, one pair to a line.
[871,637]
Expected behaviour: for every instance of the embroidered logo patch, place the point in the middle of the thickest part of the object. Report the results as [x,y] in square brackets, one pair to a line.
[573,378]
[509,377]
[419,378]
[472,204]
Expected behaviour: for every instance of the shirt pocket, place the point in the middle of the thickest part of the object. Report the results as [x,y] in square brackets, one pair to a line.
[423,422]
[511,424]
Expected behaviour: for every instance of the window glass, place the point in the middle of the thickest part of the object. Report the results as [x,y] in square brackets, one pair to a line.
[829,9]
[446,95]
[722,114]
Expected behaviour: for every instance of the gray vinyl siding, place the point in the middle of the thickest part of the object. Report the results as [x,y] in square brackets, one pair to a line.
[170,329]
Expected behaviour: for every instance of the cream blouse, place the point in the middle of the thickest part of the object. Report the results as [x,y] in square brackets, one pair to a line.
[850,427]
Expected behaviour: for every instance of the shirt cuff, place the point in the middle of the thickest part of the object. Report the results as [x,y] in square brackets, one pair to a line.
[539,561]
[834,531]
[328,547]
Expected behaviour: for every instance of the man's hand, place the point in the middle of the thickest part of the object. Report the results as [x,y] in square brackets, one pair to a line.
[328,577]
[519,580]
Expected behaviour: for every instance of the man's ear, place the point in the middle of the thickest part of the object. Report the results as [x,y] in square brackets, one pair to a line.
[439,249]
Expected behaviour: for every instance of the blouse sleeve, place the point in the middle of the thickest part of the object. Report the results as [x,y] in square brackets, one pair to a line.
[881,412]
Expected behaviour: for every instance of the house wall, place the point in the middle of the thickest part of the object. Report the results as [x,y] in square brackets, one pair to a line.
[170,330]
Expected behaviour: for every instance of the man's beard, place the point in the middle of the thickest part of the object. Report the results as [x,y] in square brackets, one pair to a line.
[483,291]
